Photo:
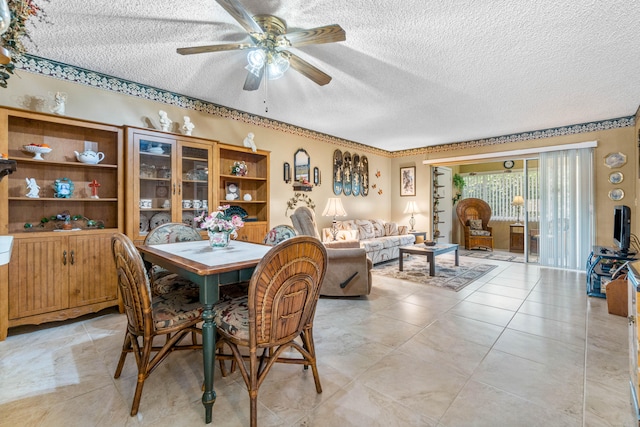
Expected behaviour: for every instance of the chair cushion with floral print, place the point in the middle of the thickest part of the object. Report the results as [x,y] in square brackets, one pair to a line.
[232,316]
[164,281]
[475,224]
[176,307]
[479,233]
[279,233]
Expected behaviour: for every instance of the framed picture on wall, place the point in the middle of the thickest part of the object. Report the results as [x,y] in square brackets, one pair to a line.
[408,181]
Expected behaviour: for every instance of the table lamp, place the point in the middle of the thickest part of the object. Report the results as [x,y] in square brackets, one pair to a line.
[518,202]
[334,208]
[412,208]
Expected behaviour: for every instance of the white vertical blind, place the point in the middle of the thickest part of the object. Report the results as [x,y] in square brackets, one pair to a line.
[567,226]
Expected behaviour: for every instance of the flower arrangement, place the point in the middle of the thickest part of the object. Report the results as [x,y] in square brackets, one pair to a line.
[239,169]
[219,221]
[12,39]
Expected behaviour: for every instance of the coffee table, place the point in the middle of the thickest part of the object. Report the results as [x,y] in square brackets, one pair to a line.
[430,252]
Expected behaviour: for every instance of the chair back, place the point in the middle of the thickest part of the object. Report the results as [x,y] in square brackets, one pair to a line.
[278,234]
[284,290]
[472,208]
[304,221]
[172,232]
[133,283]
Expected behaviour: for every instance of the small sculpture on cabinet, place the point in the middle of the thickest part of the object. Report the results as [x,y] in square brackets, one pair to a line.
[94,185]
[165,121]
[249,143]
[59,99]
[187,126]
[33,187]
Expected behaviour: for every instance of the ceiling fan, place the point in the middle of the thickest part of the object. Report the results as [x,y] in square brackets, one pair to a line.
[268,55]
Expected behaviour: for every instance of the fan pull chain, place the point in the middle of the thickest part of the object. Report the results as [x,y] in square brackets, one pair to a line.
[266,106]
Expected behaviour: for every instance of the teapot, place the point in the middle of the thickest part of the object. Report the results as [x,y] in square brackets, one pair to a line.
[90,157]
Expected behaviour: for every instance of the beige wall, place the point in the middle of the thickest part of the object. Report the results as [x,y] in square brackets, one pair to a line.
[104,106]
[615,140]
[109,107]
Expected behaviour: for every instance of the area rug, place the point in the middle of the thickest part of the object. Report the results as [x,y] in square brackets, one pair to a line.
[497,255]
[416,269]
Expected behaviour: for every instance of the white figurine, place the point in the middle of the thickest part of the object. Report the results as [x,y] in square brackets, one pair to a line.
[248,142]
[188,126]
[59,98]
[165,121]
[33,187]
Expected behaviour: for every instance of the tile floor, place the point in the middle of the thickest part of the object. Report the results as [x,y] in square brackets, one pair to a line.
[523,346]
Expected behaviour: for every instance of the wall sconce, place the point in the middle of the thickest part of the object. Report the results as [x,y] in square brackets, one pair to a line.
[286,171]
[316,176]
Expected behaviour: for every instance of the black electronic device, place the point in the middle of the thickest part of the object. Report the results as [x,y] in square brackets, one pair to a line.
[622,228]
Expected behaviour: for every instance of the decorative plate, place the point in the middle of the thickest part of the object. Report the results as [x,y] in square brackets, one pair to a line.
[615,160]
[144,223]
[187,218]
[616,177]
[159,219]
[236,210]
[616,194]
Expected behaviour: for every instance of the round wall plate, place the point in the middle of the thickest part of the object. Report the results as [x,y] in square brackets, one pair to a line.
[508,164]
[616,194]
[615,160]
[616,177]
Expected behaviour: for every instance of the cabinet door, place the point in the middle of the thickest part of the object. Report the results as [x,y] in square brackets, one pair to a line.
[152,177]
[92,271]
[253,233]
[194,180]
[38,276]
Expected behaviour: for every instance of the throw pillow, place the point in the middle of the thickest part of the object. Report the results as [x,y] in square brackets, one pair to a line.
[390,229]
[475,224]
[365,229]
[378,227]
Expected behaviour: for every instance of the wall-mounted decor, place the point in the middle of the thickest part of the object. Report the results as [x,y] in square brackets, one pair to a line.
[302,166]
[364,167]
[297,198]
[616,194]
[337,172]
[355,175]
[615,160]
[408,181]
[616,177]
[286,172]
[317,180]
[346,167]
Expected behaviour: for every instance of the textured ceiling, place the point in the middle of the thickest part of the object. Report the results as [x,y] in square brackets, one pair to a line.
[412,73]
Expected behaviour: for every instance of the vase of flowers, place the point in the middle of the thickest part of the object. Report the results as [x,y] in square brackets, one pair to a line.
[220,226]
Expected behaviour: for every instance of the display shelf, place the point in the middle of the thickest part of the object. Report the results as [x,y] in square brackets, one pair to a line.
[74,269]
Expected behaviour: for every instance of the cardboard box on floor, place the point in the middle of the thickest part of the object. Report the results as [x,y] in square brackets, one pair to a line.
[617,297]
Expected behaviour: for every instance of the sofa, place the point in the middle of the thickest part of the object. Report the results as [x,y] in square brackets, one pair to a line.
[380,239]
[348,267]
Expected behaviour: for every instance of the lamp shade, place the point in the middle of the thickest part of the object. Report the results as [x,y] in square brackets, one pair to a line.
[334,208]
[412,207]
[518,201]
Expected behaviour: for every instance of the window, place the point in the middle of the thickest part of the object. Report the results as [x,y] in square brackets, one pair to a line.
[499,189]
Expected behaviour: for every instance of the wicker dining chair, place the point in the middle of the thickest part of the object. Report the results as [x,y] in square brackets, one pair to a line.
[162,280]
[173,315]
[279,308]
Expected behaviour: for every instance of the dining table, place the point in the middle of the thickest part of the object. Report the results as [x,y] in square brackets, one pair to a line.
[209,268]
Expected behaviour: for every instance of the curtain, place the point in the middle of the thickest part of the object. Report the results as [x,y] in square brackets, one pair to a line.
[567,221]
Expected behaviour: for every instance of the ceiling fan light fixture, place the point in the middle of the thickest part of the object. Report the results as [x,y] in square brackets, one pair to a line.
[277,66]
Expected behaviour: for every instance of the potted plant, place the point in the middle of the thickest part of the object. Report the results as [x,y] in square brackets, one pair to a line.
[458,184]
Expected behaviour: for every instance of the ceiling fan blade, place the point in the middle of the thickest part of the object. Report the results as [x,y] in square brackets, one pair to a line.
[308,70]
[252,81]
[326,34]
[235,9]
[214,48]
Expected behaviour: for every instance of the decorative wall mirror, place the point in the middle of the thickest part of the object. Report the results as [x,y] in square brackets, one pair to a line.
[302,166]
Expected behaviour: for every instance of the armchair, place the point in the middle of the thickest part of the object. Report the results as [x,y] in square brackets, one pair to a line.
[474,214]
[348,267]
